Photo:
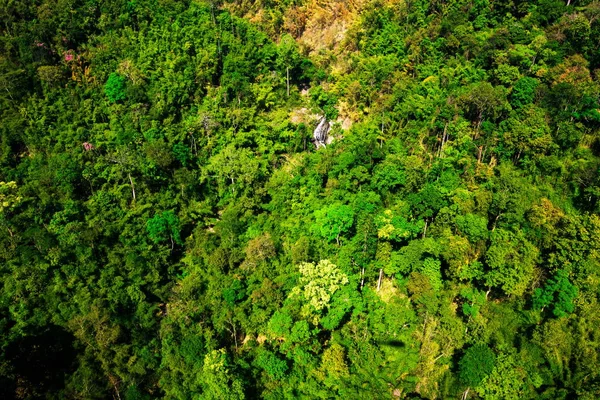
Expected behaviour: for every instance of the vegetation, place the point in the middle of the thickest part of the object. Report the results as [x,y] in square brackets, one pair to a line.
[168,230]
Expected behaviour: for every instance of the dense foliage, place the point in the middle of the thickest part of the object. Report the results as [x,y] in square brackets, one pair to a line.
[168,230]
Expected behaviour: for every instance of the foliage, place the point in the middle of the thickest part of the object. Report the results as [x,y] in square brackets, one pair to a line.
[164,226]
[334,220]
[8,199]
[115,87]
[169,230]
[319,282]
[558,292]
[476,364]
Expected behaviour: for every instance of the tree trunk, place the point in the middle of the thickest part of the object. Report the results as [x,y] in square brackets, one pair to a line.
[132,187]
[444,139]
[465,394]
[287,71]
[380,278]
[362,278]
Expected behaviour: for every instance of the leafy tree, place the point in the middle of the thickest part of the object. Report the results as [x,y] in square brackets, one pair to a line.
[558,292]
[476,364]
[506,380]
[319,282]
[432,269]
[234,293]
[115,87]
[523,92]
[334,220]
[280,323]
[7,198]
[511,259]
[288,56]
[473,226]
[235,169]
[275,367]
[182,153]
[217,378]
[164,226]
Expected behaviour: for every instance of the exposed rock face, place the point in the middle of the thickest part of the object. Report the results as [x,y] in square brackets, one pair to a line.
[320,133]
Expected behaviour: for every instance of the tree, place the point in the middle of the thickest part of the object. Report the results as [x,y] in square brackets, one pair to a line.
[288,56]
[473,226]
[164,226]
[318,283]
[115,87]
[275,367]
[219,381]
[507,380]
[477,363]
[558,292]
[333,365]
[511,260]
[484,101]
[432,270]
[333,220]
[7,197]
[523,92]
[235,169]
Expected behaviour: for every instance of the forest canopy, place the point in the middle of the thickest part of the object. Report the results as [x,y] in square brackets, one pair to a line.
[170,227]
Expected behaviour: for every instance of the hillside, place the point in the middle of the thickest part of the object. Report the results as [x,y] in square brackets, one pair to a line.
[170,227]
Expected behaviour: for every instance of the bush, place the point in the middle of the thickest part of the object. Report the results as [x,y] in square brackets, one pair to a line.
[477,363]
[115,88]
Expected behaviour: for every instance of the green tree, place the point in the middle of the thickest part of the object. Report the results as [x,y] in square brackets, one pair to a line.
[334,220]
[115,87]
[275,367]
[507,379]
[219,381]
[523,92]
[318,283]
[7,197]
[288,56]
[164,226]
[558,292]
[511,260]
[477,363]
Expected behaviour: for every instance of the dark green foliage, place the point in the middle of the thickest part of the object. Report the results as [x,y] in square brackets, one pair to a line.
[182,153]
[473,226]
[169,230]
[477,363]
[164,226]
[559,293]
[114,88]
[271,364]
[523,92]
[234,293]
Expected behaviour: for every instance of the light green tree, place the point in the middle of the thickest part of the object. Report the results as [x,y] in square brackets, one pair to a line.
[318,283]
[288,56]
[235,169]
[7,197]
[219,381]
[511,259]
